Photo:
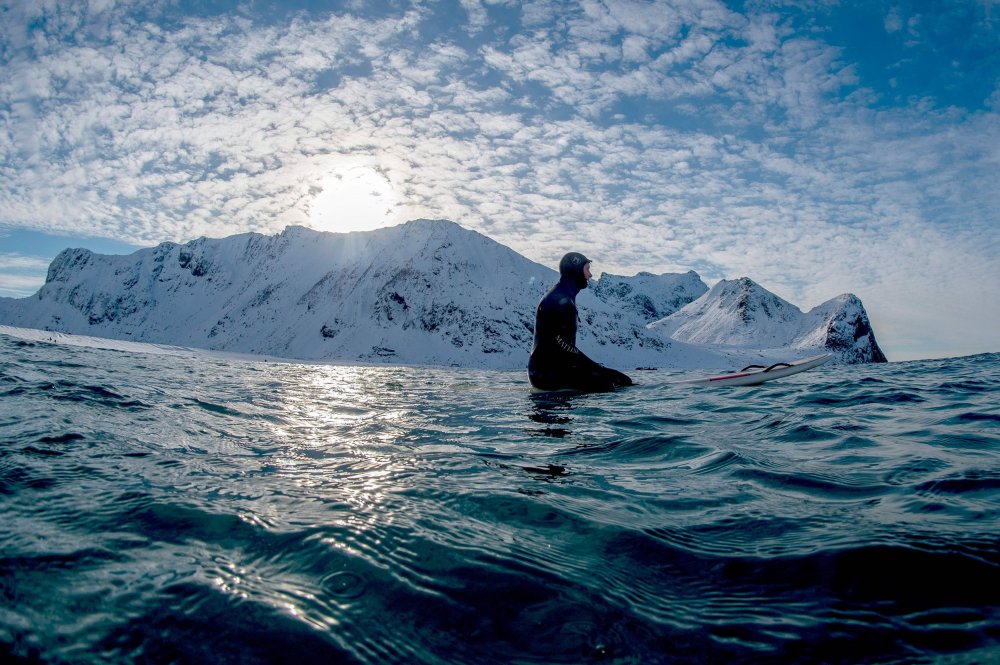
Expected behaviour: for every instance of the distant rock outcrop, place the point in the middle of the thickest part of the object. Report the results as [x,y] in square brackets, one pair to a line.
[425,292]
[845,330]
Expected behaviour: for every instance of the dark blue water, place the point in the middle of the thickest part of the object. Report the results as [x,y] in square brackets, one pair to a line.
[190,509]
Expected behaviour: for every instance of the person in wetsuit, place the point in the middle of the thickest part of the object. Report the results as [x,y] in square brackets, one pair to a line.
[555,362]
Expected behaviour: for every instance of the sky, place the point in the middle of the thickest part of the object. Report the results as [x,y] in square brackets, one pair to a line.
[817,147]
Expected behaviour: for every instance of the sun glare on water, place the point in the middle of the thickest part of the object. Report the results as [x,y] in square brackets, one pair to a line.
[356,198]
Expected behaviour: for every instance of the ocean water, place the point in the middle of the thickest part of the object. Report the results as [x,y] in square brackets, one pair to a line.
[188,508]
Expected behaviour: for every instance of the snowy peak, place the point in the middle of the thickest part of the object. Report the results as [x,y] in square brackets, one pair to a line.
[451,294]
[734,313]
[844,329]
[68,262]
[741,313]
[649,296]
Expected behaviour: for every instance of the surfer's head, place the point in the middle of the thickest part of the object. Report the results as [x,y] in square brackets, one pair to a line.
[575,266]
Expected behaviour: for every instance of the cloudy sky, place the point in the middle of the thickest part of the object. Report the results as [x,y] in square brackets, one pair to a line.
[816,146]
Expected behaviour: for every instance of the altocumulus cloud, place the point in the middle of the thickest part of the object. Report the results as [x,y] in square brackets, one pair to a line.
[655,135]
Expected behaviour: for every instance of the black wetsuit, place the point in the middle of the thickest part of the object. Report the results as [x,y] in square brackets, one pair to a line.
[555,362]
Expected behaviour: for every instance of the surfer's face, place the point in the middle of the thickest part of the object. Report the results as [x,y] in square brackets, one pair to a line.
[586,271]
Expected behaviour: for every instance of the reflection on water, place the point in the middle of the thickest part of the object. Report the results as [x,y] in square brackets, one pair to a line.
[552,411]
[192,509]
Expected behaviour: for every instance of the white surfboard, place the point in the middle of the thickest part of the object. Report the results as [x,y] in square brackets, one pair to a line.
[757,374]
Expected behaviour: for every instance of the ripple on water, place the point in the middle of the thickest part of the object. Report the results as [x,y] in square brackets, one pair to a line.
[828,487]
[197,623]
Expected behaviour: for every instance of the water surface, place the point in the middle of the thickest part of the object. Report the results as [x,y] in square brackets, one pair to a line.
[184,507]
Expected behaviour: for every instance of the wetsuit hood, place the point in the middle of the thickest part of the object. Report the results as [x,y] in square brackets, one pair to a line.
[571,269]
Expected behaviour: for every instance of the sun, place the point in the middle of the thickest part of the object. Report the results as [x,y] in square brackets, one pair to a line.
[352,198]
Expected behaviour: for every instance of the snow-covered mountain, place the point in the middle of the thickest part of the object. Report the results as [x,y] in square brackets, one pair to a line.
[425,292]
[741,313]
[844,329]
[650,297]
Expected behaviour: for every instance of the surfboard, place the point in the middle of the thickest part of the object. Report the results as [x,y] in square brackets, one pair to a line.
[753,375]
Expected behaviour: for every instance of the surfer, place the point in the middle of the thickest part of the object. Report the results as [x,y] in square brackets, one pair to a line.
[555,362]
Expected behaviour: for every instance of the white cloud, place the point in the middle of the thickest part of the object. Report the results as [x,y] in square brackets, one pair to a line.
[15,285]
[21,275]
[893,21]
[478,16]
[21,262]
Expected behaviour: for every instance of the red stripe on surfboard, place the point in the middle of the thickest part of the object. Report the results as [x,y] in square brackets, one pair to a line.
[728,376]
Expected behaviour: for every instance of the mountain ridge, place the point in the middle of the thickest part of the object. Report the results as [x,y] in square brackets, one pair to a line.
[424,292]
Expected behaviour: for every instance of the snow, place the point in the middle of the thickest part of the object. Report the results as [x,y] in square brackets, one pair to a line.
[427,292]
[734,313]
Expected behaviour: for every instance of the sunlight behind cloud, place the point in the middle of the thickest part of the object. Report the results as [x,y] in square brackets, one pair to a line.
[352,198]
